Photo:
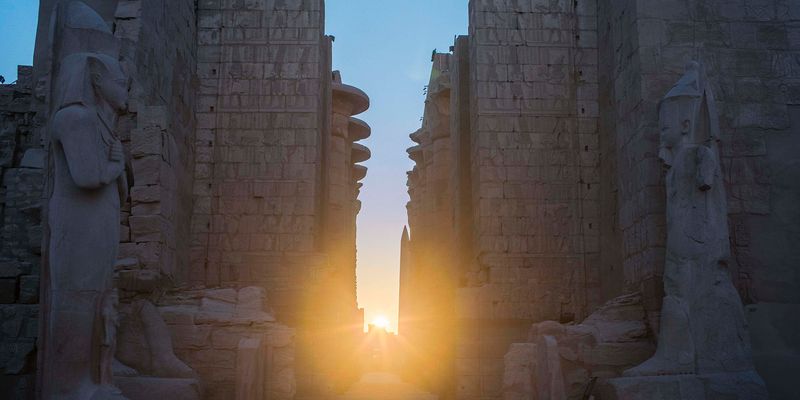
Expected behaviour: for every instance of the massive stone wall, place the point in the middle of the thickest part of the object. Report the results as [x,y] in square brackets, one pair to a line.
[554,136]
[229,133]
[158,42]
[21,178]
[535,150]
[258,141]
[519,186]
[535,181]
[275,193]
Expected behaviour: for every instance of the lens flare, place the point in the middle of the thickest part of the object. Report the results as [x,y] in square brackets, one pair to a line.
[381,322]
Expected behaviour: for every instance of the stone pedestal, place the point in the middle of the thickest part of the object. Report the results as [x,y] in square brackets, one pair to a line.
[730,386]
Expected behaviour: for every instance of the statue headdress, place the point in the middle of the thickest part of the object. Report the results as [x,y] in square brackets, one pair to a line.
[77,28]
[78,33]
[694,84]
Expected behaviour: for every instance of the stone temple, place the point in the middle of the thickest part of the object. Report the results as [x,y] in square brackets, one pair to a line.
[604,205]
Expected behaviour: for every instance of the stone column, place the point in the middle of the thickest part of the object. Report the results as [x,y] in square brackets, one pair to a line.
[342,320]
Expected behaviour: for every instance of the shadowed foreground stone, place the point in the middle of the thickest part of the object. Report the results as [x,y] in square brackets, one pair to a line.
[564,361]
[146,388]
[776,352]
[729,386]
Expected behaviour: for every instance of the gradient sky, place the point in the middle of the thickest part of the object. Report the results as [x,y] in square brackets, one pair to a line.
[382,47]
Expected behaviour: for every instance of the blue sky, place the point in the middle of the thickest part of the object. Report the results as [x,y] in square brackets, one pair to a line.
[382,47]
[17,35]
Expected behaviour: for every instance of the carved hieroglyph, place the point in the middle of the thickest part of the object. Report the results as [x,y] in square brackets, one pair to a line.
[703,328]
[89,92]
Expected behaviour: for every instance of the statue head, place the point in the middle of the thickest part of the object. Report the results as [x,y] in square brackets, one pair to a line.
[109,81]
[687,114]
[92,79]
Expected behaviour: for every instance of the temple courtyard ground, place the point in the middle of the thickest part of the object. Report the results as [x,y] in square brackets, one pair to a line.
[385,386]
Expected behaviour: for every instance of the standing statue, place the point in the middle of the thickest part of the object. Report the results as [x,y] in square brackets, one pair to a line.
[89,183]
[703,327]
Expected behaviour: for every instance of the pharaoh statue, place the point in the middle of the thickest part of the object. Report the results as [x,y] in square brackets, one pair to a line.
[89,184]
[703,327]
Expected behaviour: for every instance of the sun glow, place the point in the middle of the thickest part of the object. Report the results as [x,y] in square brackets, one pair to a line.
[381,322]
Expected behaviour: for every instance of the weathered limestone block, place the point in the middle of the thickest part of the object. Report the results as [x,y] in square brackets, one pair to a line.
[29,289]
[8,142]
[131,277]
[519,368]
[263,370]
[548,375]
[564,360]
[18,331]
[250,369]
[235,345]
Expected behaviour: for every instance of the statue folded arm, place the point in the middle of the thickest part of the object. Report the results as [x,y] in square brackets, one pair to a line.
[88,167]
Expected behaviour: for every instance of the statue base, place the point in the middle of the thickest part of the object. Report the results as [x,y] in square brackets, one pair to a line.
[147,388]
[731,386]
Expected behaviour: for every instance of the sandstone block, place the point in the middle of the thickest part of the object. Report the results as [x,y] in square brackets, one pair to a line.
[146,141]
[519,369]
[148,228]
[29,289]
[13,269]
[14,356]
[191,336]
[146,194]
[8,290]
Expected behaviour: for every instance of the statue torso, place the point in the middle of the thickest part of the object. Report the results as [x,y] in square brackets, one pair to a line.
[67,124]
[696,219]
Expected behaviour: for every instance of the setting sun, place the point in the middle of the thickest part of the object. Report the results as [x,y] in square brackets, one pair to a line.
[381,322]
